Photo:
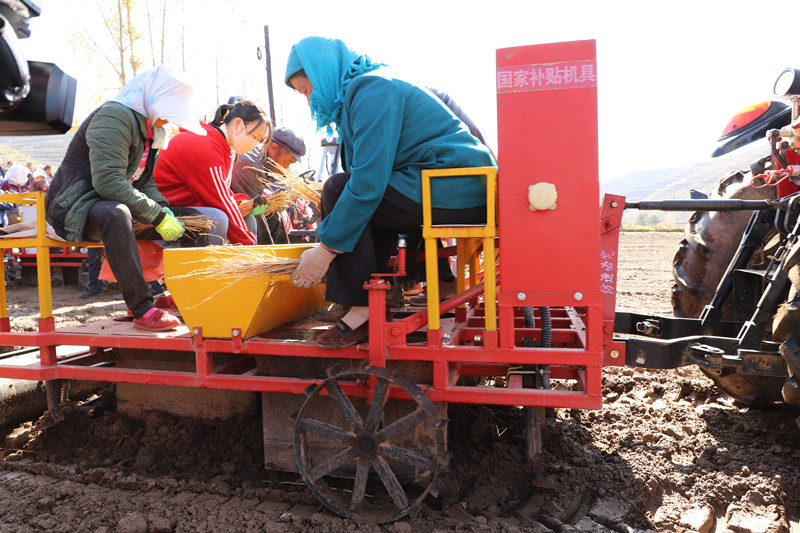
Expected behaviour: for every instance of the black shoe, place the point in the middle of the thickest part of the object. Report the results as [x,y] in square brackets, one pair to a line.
[88,293]
[156,288]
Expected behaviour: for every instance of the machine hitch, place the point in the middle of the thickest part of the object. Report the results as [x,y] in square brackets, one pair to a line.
[702,205]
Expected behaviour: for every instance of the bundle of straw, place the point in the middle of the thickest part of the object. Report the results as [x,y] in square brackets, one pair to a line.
[279,201]
[295,184]
[191,223]
[242,262]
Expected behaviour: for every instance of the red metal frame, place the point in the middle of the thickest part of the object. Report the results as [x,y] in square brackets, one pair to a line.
[67,257]
[470,358]
[550,259]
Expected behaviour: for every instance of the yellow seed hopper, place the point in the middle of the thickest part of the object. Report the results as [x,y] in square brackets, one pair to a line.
[244,301]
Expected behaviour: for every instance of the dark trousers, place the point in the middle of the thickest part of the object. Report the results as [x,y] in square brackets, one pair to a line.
[273,231]
[396,214]
[94,263]
[111,223]
[268,229]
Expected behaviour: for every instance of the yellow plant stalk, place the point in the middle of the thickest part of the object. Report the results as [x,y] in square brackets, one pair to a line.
[191,223]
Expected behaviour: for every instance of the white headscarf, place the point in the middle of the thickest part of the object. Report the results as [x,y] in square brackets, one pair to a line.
[162,93]
[39,175]
[17,175]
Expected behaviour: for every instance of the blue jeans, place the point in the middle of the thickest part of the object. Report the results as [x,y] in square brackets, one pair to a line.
[218,233]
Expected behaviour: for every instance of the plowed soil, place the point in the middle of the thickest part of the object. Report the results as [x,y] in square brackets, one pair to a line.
[667,452]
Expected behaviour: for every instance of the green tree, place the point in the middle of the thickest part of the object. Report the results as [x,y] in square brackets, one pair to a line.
[647,219]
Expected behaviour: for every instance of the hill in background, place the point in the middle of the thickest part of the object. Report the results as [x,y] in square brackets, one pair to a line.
[40,150]
[675,183]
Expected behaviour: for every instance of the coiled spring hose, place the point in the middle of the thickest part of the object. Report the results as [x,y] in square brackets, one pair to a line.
[547,324]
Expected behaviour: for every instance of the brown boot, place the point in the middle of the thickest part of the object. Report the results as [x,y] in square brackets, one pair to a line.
[395,298]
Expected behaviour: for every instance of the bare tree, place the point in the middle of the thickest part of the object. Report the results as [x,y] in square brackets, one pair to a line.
[163,30]
[150,34]
[120,45]
[183,34]
[121,23]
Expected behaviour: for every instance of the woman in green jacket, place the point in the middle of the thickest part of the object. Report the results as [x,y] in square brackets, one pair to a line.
[389,131]
[105,182]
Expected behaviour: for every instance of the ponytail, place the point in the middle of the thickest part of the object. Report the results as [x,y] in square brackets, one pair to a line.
[220,115]
[247,110]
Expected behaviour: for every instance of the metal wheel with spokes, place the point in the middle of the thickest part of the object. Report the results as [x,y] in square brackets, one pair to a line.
[392,457]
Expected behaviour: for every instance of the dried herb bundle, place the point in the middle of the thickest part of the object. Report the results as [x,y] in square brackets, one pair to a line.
[295,184]
[296,187]
[191,224]
[279,201]
[242,262]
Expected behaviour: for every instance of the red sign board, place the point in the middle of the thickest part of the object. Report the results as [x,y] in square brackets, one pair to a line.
[547,137]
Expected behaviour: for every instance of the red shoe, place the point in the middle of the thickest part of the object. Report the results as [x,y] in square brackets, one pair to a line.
[156,320]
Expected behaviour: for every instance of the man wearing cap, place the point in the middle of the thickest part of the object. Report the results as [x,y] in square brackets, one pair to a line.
[251,177]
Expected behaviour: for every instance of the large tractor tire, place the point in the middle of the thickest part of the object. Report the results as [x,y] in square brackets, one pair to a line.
[711,238]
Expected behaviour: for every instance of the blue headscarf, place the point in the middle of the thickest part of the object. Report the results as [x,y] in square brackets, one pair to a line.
[330,65]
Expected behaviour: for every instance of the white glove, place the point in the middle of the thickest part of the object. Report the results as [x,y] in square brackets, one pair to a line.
[313,265]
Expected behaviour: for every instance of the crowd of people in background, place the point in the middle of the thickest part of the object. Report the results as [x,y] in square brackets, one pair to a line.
[18,178]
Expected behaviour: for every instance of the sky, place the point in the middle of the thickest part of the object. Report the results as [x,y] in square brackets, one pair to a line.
[671,73]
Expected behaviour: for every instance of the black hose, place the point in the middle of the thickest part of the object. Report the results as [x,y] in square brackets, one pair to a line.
[547,327]
[773,145]
[530,322]
[547,324]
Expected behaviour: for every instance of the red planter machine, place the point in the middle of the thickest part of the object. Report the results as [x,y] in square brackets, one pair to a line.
[543,316]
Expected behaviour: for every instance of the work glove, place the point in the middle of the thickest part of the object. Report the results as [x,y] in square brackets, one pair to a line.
[170,228]
[313,265]
[260,203]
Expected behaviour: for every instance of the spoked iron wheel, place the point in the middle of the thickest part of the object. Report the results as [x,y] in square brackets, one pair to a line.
[391,454]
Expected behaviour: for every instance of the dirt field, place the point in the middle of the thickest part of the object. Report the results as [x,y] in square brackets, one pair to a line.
[667,452]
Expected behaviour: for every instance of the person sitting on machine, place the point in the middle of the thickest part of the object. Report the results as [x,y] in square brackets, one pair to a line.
[105,183]
[251,177]
[390,130]
[196,170]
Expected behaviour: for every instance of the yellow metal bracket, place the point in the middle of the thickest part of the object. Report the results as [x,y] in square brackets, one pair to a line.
[42,243]
[469,241]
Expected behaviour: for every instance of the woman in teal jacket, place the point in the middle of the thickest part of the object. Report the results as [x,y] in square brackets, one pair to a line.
[389,131]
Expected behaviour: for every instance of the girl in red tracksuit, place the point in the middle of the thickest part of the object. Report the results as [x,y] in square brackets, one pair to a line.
[195,170]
